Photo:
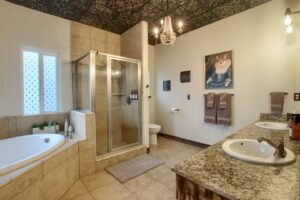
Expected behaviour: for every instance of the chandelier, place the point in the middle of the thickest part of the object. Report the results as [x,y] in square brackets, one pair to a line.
[165,33]
[288,20]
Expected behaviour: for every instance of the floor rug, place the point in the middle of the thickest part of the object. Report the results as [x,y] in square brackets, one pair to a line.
[132,168]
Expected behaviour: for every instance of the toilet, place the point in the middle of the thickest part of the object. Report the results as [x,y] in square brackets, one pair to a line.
[153,130]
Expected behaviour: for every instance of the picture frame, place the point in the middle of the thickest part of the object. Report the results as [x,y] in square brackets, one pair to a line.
[166,85]
[219,70]
[185,76]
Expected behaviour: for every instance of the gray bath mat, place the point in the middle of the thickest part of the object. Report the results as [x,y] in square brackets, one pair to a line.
[132,168]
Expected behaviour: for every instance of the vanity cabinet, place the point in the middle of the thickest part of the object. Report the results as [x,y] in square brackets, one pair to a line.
[187,190]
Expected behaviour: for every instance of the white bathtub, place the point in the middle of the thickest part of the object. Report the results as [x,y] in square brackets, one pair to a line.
[20,151]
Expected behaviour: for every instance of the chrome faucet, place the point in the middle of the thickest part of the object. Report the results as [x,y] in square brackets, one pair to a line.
[280,151]
[52,122]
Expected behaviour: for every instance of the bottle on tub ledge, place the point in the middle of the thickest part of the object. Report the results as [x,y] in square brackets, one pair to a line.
[71,131]
[66,127]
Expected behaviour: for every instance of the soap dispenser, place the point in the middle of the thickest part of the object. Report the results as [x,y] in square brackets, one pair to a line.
[294,131]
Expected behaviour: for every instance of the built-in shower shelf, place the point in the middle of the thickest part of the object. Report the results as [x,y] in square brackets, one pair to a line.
[118,94]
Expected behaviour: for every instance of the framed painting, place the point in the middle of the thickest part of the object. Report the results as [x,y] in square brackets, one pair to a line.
[219,71]
[166,85]
[185,76]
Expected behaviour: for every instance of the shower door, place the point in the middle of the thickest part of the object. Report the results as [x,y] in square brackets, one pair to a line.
[124,102]
[110,86]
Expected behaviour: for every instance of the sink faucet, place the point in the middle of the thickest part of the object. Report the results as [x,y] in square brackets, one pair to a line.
[280,151]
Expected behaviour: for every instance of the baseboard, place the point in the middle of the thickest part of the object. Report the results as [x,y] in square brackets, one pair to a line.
[178,139]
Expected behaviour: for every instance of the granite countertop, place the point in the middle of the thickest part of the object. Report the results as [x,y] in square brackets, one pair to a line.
[236,179]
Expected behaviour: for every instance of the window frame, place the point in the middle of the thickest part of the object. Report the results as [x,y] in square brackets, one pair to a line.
[41,53]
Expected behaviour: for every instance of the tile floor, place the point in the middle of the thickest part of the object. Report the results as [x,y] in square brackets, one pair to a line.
[156,184]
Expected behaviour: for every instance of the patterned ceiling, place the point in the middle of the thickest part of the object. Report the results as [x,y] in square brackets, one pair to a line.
[119,15]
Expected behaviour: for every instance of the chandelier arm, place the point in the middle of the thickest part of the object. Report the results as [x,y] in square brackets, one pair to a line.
[296,12]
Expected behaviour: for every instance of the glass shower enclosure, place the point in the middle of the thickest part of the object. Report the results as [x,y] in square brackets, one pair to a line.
[110,86]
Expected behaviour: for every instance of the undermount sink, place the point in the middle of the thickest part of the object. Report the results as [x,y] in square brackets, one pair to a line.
[272,125]
[255,152]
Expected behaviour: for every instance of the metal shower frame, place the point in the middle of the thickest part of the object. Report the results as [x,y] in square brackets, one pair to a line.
[92,92]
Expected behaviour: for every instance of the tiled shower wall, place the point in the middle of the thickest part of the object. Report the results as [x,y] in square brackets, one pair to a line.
[83,39]
[22,125]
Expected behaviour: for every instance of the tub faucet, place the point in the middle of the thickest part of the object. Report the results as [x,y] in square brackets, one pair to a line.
[50,123]
[280,151]
[53,123]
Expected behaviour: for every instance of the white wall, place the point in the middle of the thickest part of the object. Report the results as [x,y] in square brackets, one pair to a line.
[265,59]
[294,50]
[20,26]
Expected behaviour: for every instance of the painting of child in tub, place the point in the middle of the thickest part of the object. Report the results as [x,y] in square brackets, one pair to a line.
[219,71]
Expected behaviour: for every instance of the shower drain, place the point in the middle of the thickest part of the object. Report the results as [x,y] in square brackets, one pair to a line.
[47,140]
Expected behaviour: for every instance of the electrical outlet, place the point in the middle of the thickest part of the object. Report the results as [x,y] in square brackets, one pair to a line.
[296,96]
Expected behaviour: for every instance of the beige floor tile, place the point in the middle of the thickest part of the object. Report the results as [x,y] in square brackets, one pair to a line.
[159,172]
[171,152]
[156,191]
[139,183]
[169,181]
[171,161]
[97,180]
[158,154]
[77,189]
[157,184]
[132,197]
[112,191]
[86,196]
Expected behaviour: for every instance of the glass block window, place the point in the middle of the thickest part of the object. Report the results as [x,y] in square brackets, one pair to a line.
[31,83]
[50,84]
[40,80]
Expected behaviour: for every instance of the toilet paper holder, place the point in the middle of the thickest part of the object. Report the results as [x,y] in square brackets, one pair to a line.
[175,110]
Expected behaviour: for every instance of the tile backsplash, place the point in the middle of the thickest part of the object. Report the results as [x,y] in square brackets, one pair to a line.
[13,126]
[273,117]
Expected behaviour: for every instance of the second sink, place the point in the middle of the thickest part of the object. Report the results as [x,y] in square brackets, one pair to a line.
[255,152]
[272,125]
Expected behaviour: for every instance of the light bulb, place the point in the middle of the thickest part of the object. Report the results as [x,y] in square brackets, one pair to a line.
[161,21]
[156,31]
[288,17]
[289,29]
[180,24]
[287,20]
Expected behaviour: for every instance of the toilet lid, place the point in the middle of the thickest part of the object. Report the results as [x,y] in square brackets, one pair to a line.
[154,126]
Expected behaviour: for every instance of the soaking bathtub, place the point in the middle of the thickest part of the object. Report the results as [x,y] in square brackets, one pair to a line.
[20,151]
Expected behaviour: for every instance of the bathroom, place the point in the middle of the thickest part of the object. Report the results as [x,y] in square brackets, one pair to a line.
[95,105]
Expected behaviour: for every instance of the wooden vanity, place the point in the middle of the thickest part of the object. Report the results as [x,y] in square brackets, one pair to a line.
[186,189]
[213,175]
